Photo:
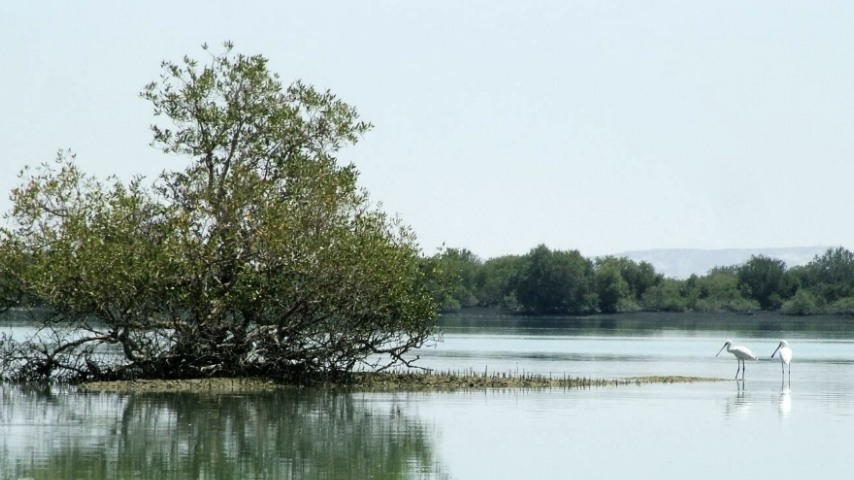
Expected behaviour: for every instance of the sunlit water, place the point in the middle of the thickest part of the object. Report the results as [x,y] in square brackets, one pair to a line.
[764,427]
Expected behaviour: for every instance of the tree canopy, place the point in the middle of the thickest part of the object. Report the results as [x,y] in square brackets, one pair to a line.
[262,256]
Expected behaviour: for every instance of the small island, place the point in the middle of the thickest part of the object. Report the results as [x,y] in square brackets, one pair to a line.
[262,262]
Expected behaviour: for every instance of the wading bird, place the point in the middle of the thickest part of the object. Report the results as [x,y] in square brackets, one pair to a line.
[741,354]
[785,357]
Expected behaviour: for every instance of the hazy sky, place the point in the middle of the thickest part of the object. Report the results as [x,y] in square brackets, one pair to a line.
[593,125]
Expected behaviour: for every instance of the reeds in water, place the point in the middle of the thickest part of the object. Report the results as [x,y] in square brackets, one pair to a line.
[470,379]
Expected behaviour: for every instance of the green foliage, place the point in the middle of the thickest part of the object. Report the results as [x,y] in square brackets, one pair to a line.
[664,297]
[458,270]
[764,279]
[802,303]
[556,282]
[842,306]
[718,291]
[261,257]
[11,265]
[638,276]
[831,275]
[497,279]
[621,283]
[611,288]
[89,249]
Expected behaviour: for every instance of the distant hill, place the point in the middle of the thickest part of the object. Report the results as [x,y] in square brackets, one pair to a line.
[682,263]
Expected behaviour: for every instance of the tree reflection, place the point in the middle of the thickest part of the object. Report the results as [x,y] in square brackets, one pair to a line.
[285,434]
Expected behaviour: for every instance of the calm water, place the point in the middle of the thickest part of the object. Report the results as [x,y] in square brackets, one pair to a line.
[762,428]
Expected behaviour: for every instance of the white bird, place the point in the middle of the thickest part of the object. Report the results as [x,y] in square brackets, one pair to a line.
[741,354]
[785,356]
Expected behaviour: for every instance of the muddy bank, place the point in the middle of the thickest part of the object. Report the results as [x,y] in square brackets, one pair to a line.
[194,385]
[419,381]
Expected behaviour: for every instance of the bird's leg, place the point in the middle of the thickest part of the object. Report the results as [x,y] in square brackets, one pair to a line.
[743,369]
[738,368]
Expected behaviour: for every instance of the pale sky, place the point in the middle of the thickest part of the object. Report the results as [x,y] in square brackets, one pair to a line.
[597,125]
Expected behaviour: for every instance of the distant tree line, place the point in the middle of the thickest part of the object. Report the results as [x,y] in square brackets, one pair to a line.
[546,281]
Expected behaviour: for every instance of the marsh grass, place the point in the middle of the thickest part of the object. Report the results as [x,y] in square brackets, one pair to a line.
[441,381]
[388,381]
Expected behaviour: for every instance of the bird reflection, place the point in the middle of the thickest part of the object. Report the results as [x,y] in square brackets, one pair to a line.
[785,401]
[740,404]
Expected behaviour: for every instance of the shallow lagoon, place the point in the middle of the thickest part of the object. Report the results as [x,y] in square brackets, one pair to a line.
[761,428]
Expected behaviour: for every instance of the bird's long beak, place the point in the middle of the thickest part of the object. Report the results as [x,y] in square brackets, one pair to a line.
[721,350]
[775,351]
